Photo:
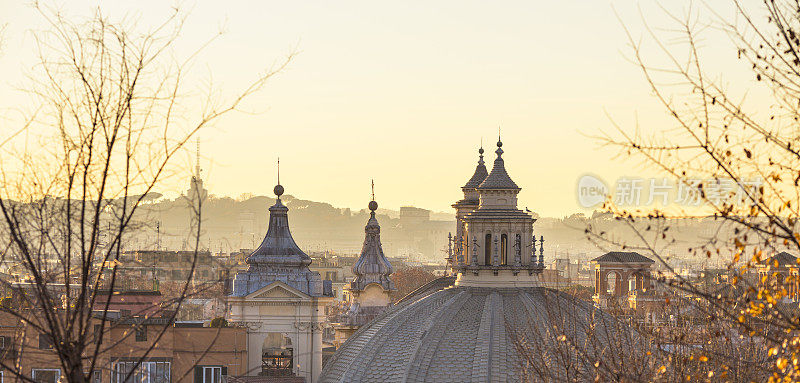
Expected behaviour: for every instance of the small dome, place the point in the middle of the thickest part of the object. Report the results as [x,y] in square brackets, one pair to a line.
[278,190]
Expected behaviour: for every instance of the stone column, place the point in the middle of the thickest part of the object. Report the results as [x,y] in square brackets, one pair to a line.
[316,356]
[496,252]
[303,351]
[597,282]
[255,342]
[474,251]
[604,286]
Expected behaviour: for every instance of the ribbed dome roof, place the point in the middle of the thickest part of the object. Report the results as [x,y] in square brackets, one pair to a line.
[463,334]
[278,258]
[278,247]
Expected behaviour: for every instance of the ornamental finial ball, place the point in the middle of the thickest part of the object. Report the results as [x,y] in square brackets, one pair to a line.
[499,143]
[278,190]
[373,205]
[480,151]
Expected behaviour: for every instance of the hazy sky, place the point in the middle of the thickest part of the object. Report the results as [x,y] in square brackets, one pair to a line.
[403,92]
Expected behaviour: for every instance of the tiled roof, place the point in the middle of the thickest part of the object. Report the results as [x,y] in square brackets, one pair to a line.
[433,286]
[498,178]
[784,259]
[623,257]
[479,175]
[468,334]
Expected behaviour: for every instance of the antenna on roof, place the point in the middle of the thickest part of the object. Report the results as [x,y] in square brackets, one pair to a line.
[197,154]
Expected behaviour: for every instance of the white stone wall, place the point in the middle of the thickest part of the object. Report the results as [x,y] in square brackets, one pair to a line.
[498,199]
[298,319]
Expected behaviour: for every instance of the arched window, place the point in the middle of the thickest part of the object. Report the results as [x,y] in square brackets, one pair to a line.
[487,250]
[504,249]
[277,357]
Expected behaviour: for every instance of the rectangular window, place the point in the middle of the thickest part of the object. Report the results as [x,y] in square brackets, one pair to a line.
[145,372]
[141,333]
[212,374]
[46,375]
[97,376]
[45,342]
[96,333]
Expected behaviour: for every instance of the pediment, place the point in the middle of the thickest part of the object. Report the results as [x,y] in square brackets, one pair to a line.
[278,291]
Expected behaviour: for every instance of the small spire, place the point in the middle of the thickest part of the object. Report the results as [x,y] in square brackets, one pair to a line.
[480,152]
[372,265]
[372,204]
[541,251]
[278,190]
[499,150]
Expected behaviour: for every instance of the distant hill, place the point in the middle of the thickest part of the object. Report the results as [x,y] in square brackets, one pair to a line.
[229,225]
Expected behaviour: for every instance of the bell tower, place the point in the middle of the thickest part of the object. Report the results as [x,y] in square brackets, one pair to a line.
[499,247]
[463,207]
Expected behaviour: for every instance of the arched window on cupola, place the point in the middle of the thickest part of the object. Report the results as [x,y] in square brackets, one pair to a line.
[504,249]
[487,250]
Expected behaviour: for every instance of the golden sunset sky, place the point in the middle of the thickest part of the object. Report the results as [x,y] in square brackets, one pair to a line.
[403,92]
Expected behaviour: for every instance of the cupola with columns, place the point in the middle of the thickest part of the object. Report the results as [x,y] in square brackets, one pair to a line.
[494,242]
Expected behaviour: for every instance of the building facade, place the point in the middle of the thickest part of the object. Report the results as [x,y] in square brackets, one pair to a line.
[281,303]
[139,342]
[782,270]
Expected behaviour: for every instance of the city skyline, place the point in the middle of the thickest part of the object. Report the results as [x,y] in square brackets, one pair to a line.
[406,106]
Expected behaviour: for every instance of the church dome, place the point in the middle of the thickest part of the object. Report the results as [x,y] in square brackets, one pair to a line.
[278,258]
[463,334]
